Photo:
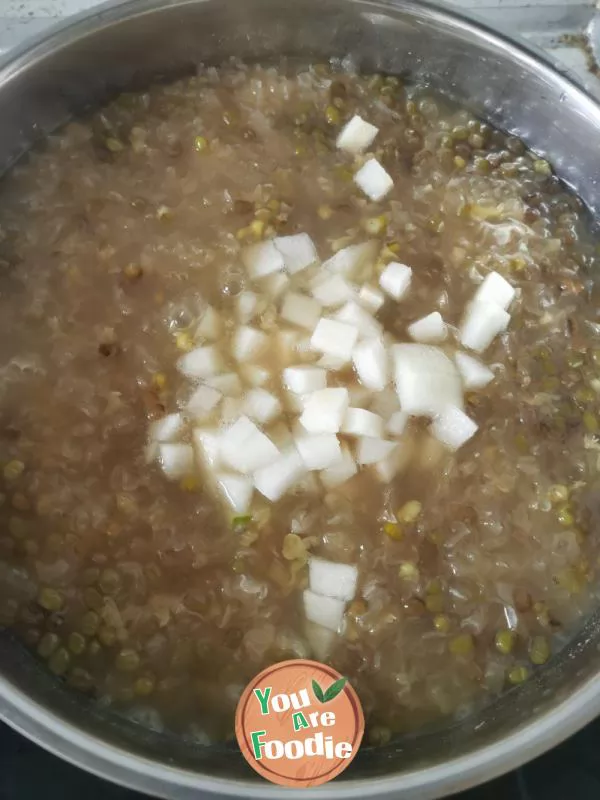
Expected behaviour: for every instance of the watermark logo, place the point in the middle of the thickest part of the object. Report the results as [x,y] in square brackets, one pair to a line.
[299,723]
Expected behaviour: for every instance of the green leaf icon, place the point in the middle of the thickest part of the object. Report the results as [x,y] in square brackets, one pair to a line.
[333,691]
[318,692]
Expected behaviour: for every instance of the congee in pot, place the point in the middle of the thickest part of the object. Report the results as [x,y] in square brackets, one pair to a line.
[296,362]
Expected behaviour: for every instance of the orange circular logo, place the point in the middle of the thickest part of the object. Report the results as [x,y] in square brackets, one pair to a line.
[299,723]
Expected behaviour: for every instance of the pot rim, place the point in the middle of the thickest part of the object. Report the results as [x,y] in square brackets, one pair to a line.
[107,761]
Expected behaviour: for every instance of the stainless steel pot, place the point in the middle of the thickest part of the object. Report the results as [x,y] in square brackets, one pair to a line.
[126,45]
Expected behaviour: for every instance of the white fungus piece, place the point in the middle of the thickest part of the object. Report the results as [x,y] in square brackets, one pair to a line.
[356,136]
[453,428]
[318,450]
[325,611]
[262,259]
[298,251]
[261,406]
[236,490]
[324,410]
[320,640]
[357,316]
[371,449]
[210,326]
[300,310]
[207,443]
[397,423]
[373,180]
[429,329]
[176,460]
[203,401]
[248,343]
[353,260]
[245,448]
[395,279]
[247,306]
[332,290]
[495,289]
[228,383]
[167,428]
[203,362]
[427,381]
[371,298]
[255,375]
[274,479]
[334,338]
[474,374]
[340,472]
[370,361]
[304,379]
[360,422]
[331,579]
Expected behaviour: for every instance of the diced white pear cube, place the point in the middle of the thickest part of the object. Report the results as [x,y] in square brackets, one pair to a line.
[395,279]
[359,422]
[228,383]
[304,379]
[397,423]
[325,611]
[318,450]
[167,428]
[474,374]
[373,180]
[203,362]
[210,326]
[397,460]
[236,490]
[385,403]
[427,381]
[453,428]
[261,406]
[359,318]
[298,251]
[354,260]
[321,640]
[262,259]
[370,361]
[245,448]
[495,289]
[298,309]
[332,290]
[249,343]
[176,460]
[429,329]
[203,401]
[481,324]
[208,448]
[273,480]
[248,305]
[331,363]
[340,472]
[324,410]
[332,579]
[356,135]
[371,449]
[334,338]
[371,298]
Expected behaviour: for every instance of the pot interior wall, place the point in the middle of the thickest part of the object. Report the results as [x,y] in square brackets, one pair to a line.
[113,50]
